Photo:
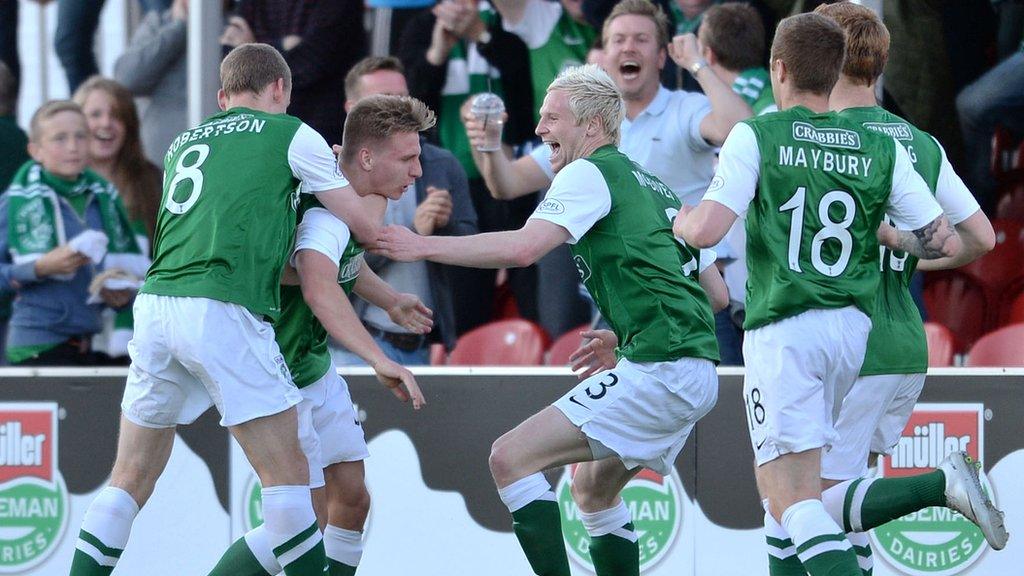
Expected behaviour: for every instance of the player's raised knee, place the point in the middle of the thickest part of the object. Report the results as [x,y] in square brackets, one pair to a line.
[501,462]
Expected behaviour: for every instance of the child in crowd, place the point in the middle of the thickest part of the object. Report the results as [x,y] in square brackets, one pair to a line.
[60,225]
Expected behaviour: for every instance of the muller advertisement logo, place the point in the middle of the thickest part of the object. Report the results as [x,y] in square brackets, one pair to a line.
[934,541]
[33,498]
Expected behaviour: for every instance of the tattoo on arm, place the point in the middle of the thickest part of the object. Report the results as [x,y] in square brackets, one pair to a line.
[929,241]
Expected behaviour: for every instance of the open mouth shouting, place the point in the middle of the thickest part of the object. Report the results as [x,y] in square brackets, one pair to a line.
[556,148]
[629,69]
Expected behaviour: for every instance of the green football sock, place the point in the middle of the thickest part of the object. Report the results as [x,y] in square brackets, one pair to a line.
[821,546]
[782,558]
[239,560]
[617,553]
[300,556]
[538,526]
[340,569]
[869,503]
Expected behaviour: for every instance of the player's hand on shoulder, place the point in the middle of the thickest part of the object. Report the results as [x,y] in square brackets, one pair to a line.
[399,243]
[411,313]
[596,354]
[400,381]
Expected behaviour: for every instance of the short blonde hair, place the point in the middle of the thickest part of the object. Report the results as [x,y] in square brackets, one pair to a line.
[49,110]
[592,94]
[378,117]
[251,67]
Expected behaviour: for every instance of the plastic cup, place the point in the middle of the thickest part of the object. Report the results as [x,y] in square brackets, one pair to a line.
[488,108]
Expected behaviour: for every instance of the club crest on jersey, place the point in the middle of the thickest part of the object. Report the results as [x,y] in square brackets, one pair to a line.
[582,267]
[830,137]
[933,541]
[897,130]
[655,505]
[33,497]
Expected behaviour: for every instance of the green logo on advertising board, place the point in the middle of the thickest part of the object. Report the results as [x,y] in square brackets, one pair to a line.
[252,503]
[655,504]
[33,497]
[934,541]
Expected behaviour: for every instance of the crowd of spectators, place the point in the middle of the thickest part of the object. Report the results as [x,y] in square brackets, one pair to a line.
[93,164]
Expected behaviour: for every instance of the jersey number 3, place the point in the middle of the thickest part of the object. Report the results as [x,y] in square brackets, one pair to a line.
[830,229]
[189,172]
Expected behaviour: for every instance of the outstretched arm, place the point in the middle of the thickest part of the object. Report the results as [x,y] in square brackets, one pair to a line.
[511,249]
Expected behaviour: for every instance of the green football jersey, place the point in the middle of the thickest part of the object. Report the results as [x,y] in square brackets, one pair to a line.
[811,227]
[301,337]
[897,343]
[228,210]
[467,73]
[644,281]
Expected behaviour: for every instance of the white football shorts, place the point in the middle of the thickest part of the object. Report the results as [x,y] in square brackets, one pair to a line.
[190,353]
[332,432]
[643,412]
[797,371]
[871,419]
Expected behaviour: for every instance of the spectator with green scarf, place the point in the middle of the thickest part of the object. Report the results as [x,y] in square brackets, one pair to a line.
[60,225]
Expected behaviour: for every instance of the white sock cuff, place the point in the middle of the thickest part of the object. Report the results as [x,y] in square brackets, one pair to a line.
[834,499]
[773,528]
[526,490]
[258,542]
[807,520]
[345,546]
[287,511]
[777,538]
[606,521]
[118,502]
[109,517]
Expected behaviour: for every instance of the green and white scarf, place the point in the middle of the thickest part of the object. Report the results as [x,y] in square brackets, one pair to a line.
[36,223]
[36,226]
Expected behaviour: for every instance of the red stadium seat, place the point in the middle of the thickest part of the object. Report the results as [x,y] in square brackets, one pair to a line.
[1010,194]
[1015,315]
[566,344]
[1004,347]
[503,343]
[957,302]
[941,345]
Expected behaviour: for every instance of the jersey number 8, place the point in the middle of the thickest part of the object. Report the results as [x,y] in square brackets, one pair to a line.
[190,172]
[830,229]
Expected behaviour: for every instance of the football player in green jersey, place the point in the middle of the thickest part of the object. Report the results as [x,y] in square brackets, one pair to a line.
[203,332]
[875,411]
[380,153]
[616,218]
[814,188]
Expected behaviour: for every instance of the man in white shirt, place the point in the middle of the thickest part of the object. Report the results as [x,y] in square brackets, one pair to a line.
[672,134]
